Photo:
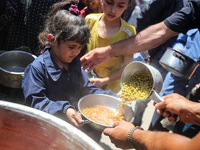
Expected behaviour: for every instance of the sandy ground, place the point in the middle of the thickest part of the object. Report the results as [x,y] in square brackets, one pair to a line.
[145,125]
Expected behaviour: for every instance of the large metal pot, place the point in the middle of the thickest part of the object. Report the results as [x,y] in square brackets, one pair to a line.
[25,128]
[12,66]
[178,63]
[137,66]
[105,100]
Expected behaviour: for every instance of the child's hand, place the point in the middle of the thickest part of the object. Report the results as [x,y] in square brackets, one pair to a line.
[74,117]
[98,82]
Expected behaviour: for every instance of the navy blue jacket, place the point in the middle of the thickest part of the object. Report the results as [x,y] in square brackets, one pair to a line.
[52,89]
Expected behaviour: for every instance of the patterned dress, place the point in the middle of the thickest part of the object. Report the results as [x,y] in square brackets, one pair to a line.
[24,29]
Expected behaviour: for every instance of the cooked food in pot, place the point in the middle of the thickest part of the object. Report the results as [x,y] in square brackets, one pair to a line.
[138,86]
[102,114]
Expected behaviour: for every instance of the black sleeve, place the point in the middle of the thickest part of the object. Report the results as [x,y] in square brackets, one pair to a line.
[155,12]
[185,19]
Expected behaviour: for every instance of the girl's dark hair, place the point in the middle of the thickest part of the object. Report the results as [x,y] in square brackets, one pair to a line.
[127,13]
[64,25]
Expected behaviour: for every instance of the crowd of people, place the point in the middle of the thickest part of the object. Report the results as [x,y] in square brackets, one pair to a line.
[179,22]
[73,38]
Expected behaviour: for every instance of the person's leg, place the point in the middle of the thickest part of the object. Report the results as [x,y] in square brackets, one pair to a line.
[138,111]
[155,123]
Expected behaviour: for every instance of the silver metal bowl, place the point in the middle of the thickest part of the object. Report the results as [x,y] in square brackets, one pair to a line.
[105,100]
[12,66]
[26,128]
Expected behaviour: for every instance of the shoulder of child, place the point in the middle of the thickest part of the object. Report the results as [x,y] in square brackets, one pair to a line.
[93,16]
[129,29]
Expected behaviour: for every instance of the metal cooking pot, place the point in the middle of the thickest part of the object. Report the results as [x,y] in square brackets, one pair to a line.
[12,66]
[137,66]
[105,100]
[25,128]
[178,63]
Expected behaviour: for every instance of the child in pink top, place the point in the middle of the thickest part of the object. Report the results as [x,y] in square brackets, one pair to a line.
[92,6]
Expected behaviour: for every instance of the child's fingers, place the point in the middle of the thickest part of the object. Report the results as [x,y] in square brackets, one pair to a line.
[78,118]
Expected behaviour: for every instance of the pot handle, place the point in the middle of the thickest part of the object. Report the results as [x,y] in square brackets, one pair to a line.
[85,122]
[181,57]
[157,98]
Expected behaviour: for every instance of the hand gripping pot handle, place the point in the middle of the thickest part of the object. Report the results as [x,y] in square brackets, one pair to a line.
[156,98]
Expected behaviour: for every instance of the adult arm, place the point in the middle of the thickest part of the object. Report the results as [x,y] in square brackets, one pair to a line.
[144,40]
[149,38]
[149,14]
[188,111]
[149,139]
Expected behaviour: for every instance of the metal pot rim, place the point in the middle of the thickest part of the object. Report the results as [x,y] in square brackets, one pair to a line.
[169,48]
[14,51]
[157,79]
[48,118]
[147,68]
[10,72]
[106,126]
[96,123]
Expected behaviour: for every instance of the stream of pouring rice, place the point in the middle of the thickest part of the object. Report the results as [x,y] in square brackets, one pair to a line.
[138,86]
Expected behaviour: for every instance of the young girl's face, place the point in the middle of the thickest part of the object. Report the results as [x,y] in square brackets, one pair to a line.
[92,4]
[113,9]
[66,51]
